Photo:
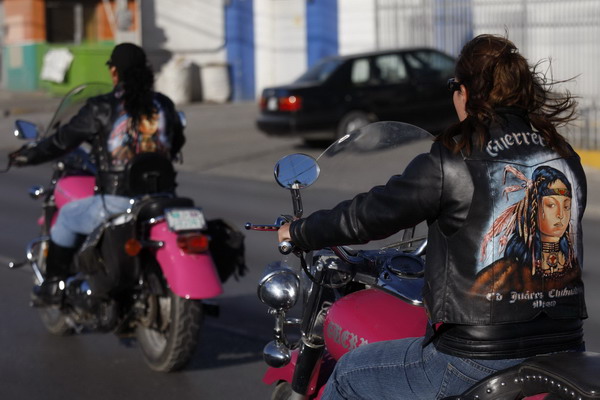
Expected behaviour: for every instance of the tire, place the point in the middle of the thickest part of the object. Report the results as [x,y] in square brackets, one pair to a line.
[283,391]
[53,319]
[168,340]
[352,121]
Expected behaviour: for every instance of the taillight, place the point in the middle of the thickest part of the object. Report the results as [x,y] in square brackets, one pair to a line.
[132,247]
[290,103]
[263,103]
[193,243]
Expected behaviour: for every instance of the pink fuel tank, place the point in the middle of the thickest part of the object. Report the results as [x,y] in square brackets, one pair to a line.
[368,316]
[73,188]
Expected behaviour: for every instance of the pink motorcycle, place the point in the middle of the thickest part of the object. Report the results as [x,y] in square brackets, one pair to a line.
[351,297]
[143,274]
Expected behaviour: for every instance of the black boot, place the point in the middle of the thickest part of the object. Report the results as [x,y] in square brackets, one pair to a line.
[58,264]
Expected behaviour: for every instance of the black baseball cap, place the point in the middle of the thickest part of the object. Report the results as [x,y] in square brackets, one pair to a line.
[125,56]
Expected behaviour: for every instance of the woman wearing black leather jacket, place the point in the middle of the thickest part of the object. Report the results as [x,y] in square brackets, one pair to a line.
[503,195]
[131,119]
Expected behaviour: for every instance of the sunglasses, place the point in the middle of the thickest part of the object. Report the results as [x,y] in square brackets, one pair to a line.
[453,85]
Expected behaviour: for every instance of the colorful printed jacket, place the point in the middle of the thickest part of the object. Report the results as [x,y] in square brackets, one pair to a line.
[104,124]
[504,239]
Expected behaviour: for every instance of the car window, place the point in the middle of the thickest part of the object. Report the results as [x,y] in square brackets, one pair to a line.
[430,63]
[360,71]
[320,71]
[390,68]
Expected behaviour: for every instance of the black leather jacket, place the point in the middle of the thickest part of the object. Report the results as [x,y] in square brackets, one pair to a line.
[504,249]
[101,121]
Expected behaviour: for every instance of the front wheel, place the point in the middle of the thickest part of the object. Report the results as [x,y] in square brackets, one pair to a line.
[283,391]
[54,319]
[169,332]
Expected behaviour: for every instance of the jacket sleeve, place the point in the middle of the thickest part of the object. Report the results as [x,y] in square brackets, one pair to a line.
[80,128]
[406,200]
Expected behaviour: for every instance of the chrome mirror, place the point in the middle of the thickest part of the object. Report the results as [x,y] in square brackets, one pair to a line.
[296,171]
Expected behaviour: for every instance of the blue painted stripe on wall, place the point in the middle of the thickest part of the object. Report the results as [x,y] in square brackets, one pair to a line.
[321,29]
[239,33]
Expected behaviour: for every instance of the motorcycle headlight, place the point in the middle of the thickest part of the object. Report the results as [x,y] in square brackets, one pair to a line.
[279,287]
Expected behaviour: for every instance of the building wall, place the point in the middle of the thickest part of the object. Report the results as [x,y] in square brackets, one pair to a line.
[356,21]
[184,36]
[280,37]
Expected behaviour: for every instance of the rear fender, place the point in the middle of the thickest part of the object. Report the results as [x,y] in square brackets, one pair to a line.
[191,276]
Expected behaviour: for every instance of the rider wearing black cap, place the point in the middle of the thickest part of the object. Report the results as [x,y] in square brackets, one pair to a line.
[127,121]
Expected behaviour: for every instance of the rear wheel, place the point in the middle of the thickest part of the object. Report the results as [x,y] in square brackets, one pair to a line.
[169,332]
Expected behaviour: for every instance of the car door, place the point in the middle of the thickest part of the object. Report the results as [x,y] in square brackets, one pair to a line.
[430,71]
[380,85]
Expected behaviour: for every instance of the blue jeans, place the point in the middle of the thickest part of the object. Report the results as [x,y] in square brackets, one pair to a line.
[81,217]
[403,369]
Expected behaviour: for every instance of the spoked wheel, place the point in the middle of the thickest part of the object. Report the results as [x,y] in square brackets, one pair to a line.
[283,391]
[168,333]
[54,320]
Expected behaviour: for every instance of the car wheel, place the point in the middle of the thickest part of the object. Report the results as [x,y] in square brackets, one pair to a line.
[352,121]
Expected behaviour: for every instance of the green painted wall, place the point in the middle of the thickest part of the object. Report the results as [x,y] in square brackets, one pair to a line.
[21,66]
[89,65]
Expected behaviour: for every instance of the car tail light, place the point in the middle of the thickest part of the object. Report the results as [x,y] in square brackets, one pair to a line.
[193,243]
[290,103]
[263,103]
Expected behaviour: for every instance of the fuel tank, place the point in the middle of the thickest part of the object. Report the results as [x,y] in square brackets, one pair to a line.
[72,188]
[370,315]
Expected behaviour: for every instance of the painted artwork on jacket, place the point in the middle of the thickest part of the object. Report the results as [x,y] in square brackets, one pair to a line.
[532,239]
[149,136]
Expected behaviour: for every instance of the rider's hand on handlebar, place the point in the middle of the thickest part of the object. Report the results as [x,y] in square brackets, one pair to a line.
[20,157]
[283,234]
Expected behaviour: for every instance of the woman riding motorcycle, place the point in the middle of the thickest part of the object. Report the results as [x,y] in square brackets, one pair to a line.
[503,195]
[131,119]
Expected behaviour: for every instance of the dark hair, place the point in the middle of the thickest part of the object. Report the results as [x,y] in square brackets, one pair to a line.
[496,75]
[520,246]
[137,83]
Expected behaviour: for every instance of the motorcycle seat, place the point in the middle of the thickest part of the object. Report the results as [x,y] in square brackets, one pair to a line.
[155,207]
[572,375]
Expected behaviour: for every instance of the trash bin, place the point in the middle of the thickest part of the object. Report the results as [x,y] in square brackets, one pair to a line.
[215,82]
[175,80]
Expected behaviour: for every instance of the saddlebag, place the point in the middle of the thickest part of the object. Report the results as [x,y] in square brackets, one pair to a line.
[227,249]
[102,258]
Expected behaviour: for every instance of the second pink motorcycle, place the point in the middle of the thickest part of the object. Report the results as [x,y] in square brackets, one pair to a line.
[145,274]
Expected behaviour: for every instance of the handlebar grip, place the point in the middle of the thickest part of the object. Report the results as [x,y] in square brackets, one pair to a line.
[285,247]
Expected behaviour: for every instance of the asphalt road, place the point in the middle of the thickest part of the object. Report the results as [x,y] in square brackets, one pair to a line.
[228,171]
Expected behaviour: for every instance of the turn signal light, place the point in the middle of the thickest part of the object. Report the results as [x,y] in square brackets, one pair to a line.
[193,243]
[290,103]
[133,247]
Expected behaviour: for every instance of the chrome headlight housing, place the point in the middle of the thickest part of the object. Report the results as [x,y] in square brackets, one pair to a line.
[279,287]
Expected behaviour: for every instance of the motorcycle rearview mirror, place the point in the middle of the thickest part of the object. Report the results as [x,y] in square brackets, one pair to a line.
[26,130]
[295,172]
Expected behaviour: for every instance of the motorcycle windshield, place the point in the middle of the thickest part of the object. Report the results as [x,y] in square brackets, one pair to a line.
[73,101]
[366,158]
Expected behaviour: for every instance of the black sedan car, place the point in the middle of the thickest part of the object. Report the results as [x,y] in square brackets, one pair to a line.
[344,93]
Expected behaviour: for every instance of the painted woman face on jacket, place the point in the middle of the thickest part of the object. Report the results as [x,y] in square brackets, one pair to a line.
[554,213]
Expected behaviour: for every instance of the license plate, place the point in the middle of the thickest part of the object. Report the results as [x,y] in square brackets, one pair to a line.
[272,104]
[185,219]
